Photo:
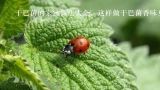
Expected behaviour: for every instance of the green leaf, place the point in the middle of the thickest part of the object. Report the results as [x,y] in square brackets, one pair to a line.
[3,74]
[19,67]
[10,22]
[54,34]
[2,45]
[12,15]
[104,66]
[146,67]
[54,3]
[1,4]
[12,85]
[49,8]
[16,66]
[1,65]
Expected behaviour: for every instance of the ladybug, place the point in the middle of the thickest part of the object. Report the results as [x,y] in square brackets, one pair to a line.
[77,45]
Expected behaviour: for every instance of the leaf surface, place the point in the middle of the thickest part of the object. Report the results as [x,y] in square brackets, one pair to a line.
[104,66]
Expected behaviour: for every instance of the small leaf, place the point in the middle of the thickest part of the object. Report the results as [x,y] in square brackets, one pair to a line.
[19,67]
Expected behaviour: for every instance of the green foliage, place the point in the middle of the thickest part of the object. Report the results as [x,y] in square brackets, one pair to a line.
[3,74]
[55,3]
[53,33]
[16,66]
[115,21]
[10,22]
[19,67]
[12,11]
[146,67]
[150,26]
[12,85]
[1,4]
[100,68]
[40,63]
[138,30]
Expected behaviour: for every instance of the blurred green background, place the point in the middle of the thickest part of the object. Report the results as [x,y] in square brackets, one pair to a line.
[137,30]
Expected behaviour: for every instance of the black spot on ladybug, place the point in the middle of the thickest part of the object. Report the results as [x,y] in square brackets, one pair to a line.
[80,43]
[72,44]
[87,45]
[80,50]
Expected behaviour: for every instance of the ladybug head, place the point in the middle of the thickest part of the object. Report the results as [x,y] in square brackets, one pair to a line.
[68,49]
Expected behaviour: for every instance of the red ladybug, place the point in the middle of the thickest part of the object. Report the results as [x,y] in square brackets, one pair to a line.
[77,45]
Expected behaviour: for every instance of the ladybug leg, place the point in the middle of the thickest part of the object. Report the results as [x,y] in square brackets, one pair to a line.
[74,54]
[84,53]
[66,56]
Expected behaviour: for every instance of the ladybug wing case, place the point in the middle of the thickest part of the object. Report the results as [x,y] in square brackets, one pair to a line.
[81,46]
